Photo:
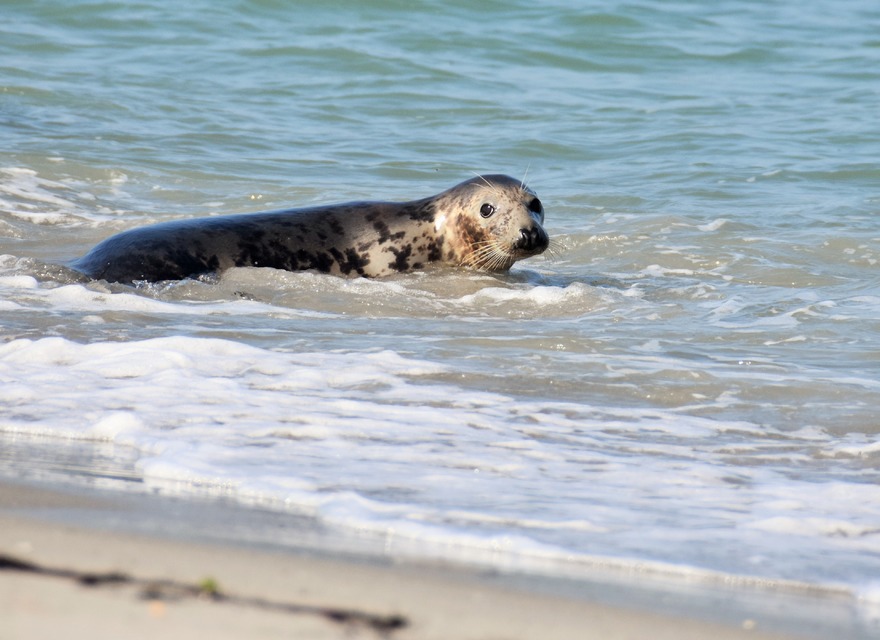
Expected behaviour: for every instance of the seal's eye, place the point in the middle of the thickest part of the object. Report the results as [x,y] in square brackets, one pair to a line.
[487,210]
[535,206]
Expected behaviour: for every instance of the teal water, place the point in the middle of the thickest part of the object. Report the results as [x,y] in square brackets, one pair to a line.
[677,105]
[705,340]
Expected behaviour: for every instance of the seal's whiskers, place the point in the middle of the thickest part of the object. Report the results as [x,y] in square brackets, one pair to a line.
[491,186]
[489,255]
[522,183]
[554,249]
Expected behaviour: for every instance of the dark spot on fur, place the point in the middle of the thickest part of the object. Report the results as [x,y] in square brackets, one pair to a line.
[335,226]
[383,231]
[435,250]
[322,262]
[337,255]
[420,210]
[356,261]
[469,234]
[401,262]
[350,260]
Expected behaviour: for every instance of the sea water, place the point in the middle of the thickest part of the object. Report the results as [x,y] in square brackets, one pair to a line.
[690,381]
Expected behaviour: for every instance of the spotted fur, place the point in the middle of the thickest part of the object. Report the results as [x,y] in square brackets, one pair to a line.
[353,239]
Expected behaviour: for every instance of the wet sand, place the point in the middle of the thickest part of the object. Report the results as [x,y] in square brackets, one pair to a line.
[69,580]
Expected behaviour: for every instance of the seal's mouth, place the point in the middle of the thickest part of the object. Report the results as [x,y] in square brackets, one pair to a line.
[532,241]
[491,255]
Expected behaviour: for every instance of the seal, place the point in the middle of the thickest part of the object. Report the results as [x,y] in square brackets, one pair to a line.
[485,223]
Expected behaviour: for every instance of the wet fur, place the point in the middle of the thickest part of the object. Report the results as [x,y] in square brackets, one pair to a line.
[351,239]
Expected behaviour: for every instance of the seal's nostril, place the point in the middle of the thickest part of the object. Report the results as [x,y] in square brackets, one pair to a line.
[532,239]
[528,238]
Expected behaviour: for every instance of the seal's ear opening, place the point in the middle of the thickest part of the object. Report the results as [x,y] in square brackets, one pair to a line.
[535,206]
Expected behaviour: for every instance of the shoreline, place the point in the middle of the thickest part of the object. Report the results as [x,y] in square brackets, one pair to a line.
[99,579]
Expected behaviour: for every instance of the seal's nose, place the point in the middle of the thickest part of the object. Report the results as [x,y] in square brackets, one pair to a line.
[533,239]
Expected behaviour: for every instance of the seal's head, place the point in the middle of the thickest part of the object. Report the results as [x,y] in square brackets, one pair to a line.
[490,222]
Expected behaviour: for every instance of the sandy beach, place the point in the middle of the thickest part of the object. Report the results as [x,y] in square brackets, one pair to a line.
[61,579]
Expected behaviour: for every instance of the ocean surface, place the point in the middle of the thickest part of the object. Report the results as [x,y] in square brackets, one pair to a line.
[689,383]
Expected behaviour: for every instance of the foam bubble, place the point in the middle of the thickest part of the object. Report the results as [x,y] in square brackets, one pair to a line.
[18,282]
[114,424]
[715,225]
[540,295]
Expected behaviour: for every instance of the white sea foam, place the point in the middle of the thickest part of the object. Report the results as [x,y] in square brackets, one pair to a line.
[715,225]
[18,282]
[538,296]
[28,196]
[76,297]
[371,441]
